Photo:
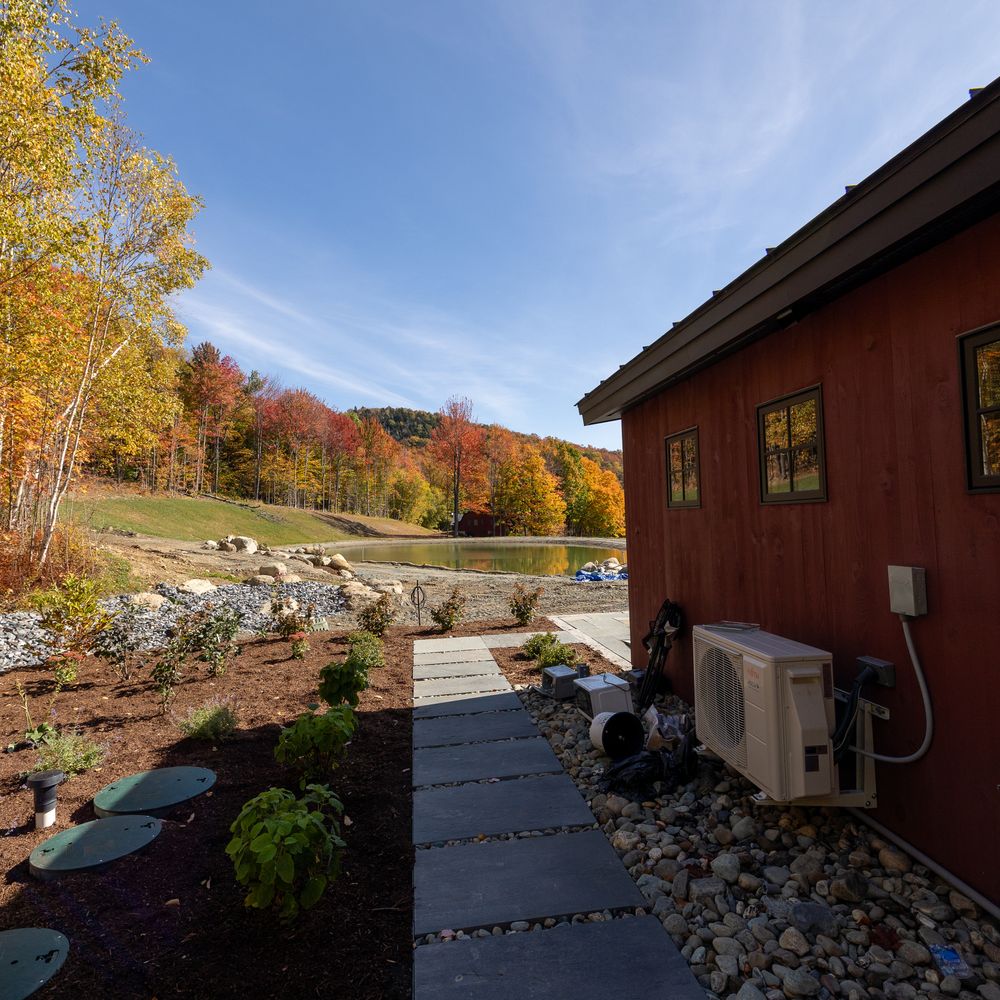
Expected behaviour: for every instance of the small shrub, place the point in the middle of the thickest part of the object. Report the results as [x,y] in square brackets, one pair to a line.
[212,634]
[285,619]
[450,612]
[286,850]
[120,644]
[314,744]
[377,616]
[168,669]
[300,645]
[215,722]
[555,653]
[69,752]
[522,603]
[367,649]
[342,683]
[533,646]
[72,615]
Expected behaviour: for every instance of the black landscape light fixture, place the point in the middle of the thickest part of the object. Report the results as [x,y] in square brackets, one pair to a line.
[44,784]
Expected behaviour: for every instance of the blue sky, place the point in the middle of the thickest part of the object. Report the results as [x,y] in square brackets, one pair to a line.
[408,201]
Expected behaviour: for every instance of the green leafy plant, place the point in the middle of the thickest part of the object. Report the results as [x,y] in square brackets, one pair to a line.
[314,744]
[534,645]
[168,669]
[342,683]
[286,850]
[450,612]
[33,734]
[377,616]
[555,653]
[212,634]
[367,649]
[300,645]
[522,603]
[72,615]
[69,752]
[215,721]
[121,644]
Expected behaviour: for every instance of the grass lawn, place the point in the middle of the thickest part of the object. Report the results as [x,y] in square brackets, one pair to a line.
[195,519]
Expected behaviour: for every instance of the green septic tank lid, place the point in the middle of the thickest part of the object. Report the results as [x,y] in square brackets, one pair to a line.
[92,845]
[29,958]
[153,793]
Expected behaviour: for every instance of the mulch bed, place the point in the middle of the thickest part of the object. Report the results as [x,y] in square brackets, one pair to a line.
[170,921]
[518,669]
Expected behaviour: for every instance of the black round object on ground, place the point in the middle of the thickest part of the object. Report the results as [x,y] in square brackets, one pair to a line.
[29,958]
[618,734]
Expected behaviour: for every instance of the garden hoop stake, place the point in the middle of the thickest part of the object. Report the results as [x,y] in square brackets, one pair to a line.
[419,598]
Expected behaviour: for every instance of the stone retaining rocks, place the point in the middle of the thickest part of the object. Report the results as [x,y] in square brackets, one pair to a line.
[197,587]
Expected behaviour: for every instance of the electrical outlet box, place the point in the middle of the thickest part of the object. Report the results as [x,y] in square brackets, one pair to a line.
[885,672]
[908,590]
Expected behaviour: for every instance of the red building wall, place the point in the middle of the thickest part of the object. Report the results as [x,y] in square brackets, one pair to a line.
[886,357]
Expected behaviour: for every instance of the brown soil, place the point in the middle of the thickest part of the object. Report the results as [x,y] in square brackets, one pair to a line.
[519,670]
[170,920]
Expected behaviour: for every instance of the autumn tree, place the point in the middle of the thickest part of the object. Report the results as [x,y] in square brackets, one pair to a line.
[456,445]
[603,513]
[528,495]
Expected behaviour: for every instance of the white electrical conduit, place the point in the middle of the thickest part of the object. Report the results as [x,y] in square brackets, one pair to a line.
[928,713]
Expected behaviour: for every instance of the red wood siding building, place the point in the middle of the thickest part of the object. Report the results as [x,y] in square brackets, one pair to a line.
[871,314]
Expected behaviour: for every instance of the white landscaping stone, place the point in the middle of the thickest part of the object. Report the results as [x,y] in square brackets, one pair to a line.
[275,569]
[246,544]
[210,545]
[339,562]
[291,578]
[196,587]
[260,580]
[148,601]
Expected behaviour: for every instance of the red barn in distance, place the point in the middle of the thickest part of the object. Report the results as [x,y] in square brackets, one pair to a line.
[833,411]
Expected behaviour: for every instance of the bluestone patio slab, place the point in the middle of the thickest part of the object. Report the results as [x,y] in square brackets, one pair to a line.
[459,685]
[443,705]
[459,642]
[456,729]
[477,885]
[511,639]
[429,671]
[474,762]
[454,656]
[461,811]
[620,958]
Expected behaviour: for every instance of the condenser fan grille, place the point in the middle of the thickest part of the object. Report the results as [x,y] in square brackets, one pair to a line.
[719,703]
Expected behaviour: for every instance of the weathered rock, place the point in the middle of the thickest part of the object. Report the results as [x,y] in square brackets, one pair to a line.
[625,840]
[798,983]
[675,924]
[776,874]
[210,545]
[339,562]
[811,917]
[291,578]
[849,888]
[260,580]
[895,861]
[727,867]
[749,992]
[744,828]
[198,587]
[809,866]
[913,952]
[275,569]
[794,940]
[244,543]
[704,890]
[147,601]
[226,547]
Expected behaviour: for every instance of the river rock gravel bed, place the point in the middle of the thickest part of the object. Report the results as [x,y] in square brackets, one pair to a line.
[780,902]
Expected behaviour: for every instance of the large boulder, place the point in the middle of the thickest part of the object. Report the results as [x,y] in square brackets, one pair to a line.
[244,543]
[260,580]
[226,547]
[274,569]
[356,595]
[198,587]
[210,545]
[147,601]
[291,578]
[339,562]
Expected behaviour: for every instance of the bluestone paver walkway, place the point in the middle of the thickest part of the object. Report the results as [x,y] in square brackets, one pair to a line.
[480,768]
[607,632]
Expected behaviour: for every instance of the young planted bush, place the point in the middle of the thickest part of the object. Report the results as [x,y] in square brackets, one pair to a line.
[286,850]
[377,616]
[215,721]
[367,649]
[532,647]
[69,752]
[555,653]
[121,644]
[314,744]
[522,603]
[450,612]
[342,683]
[212,634]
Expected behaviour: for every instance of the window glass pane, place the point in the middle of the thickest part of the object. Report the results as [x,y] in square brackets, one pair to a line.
[676,467]
[803,420]
[778,480]
[690,469]
[988,372]
[776,429]
[805,469]
[990,429]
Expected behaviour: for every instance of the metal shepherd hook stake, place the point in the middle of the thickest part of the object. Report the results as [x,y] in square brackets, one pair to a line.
[418,598]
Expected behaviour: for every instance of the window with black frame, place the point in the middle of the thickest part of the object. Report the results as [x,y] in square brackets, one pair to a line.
[981,381]
[790,444]
[683,479]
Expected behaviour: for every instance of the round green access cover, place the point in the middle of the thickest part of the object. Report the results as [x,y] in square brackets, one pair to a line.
[29,958]
[153,793]
[91,845]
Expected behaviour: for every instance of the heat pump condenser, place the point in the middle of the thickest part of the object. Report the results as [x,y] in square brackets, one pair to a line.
[765,705]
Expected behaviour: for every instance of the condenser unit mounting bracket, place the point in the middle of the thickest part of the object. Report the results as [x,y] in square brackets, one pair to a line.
[871,707]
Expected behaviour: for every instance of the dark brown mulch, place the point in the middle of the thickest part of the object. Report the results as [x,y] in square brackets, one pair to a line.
[518,669]
[170,920]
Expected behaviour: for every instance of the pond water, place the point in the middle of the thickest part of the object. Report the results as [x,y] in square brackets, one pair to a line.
[541,559]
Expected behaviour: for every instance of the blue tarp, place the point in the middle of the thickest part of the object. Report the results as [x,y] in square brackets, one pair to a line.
[582,577]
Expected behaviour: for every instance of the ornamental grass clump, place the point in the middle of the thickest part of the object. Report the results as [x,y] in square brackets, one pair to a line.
[69,752]
[450,612]
[214,722]
[377,616]
[286,849]
[522,603]
[315,744]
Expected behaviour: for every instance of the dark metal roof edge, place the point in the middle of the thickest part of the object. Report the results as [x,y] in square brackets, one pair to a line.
[938,150]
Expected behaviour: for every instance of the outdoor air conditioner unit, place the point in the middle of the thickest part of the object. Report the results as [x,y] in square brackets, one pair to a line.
[766,706]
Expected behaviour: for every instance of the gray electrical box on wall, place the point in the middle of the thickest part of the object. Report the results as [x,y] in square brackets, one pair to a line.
[908,590]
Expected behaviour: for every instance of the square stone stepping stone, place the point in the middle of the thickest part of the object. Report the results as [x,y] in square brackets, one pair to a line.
[632,958]
[478,885]
[502,807]
[473,762]
[465,704]
[459,685]
[509,640]
[459,642]
[454,656]
[433,670]
[454,729]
